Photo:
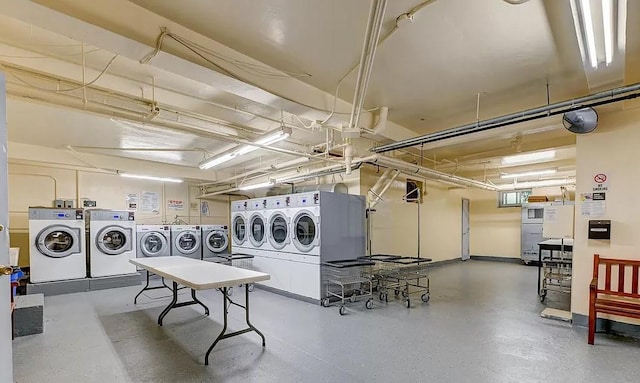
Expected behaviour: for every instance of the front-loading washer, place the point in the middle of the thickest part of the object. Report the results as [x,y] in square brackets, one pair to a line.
[56,244]
[186,241]
[153,241]
[111,242]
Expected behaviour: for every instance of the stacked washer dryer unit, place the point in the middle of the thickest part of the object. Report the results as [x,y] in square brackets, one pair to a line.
[153,241]
[239,235]
[322,226]
[111,242]
[57,244]
[186,241]
[215,240]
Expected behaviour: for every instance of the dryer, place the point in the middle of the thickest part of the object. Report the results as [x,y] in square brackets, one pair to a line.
[305,223]
[278,217]
[153,241]
[215,240]
[257,223]
[111,240]
[186,241]
[239,218]
[57,244]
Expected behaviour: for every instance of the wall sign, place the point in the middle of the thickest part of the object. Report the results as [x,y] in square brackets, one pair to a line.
[175,204]
[150,202]
[132,201]
[592,204]
[601,182]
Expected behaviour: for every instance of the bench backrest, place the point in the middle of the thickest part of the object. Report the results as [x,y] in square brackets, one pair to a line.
[622,268]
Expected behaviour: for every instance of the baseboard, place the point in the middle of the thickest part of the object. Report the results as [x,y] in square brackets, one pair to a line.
[445,262]
[496,259]
[608,326]
[287,294]
[82,285]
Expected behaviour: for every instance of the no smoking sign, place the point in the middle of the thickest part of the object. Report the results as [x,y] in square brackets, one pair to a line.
[600,182]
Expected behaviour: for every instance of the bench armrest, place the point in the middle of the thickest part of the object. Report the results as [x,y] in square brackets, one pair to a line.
[594,284]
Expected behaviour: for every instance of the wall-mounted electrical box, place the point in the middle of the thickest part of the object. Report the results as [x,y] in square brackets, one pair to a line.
[599,229]
[68,203]
[89,203]
[59,203]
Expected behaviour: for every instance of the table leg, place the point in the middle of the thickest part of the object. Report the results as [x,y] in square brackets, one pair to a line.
[146,287]
[193,296]
[539,268]
[174,303]
[225,310]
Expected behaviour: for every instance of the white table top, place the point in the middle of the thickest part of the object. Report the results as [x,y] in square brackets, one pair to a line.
[558,242]
[197,274]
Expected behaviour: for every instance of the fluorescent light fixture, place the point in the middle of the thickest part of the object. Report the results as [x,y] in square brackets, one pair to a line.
[585,9]
[255,186]
[213,161]
[151,178]
[607,20]
[529,157]
[271,138]
[537,184]
[529,174]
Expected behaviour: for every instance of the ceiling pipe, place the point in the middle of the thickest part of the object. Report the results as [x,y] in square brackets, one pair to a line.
[282,166]
[378,195]
[514,118]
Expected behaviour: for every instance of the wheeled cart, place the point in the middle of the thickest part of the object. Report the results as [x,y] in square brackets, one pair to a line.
[402,276]
[556,276]
[348,282]
[243,261]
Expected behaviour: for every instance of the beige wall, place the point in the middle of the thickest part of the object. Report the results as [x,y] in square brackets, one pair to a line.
[611,149]
[39,184]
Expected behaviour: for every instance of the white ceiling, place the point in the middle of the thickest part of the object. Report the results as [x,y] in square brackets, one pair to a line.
[429,73]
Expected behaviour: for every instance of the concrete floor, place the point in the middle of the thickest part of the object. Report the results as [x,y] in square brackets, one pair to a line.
[482,325]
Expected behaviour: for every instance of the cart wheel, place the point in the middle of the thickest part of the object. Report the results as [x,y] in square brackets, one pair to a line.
[405,294]
[381,296]
[425,297]
[353,298]
[543,297]
[408,303]
[343,310]
[250,287]
[374,289]
[230,291]
[369,304]
[324,302]
[396,292]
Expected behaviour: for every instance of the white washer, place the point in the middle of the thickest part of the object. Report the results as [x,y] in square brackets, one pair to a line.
[215,240]
[153,241]
[57,244]
[111,237]
[257,223]
[278,218]
[305,224]
[186,241]
[239,218]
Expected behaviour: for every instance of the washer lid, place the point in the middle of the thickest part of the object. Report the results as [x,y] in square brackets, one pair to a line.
[217,241]
[114,240]
[59,241]
[305,231]
[187,242]
[153,243]
[239,230]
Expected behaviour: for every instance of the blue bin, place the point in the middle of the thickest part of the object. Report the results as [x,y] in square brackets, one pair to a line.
[15,277]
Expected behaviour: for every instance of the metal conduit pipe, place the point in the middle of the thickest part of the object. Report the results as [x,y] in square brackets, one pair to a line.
[381,180]
[281,166]
[378,196]
[512,118]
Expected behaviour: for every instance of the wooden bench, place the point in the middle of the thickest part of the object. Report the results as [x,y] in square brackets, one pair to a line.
[622,300]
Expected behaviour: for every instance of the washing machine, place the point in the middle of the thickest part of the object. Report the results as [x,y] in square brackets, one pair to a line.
[186,241]
[57,244]
[153,241]
[305,223]
[278,217]
[257,223]
[111,242]
[239,218]
[215,240]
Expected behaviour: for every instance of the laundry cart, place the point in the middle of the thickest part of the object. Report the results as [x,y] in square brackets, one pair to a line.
[556,276]
[402,276]
[347,281]
[243,261]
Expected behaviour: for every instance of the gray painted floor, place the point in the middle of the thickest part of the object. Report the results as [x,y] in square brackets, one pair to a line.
[482,325]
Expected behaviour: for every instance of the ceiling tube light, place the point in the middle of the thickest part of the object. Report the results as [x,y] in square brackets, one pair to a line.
[529,157]
[537,184]
[607,20]
[151,178]
[213,161]
[255,186]
[585,9]
[529,174]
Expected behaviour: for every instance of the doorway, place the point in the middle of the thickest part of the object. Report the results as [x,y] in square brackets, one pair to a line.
[465,230]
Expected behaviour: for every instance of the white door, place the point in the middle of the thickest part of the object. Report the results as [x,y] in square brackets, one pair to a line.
[6,358]
[465,229]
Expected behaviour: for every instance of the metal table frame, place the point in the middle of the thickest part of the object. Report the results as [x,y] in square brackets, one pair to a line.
[551,248]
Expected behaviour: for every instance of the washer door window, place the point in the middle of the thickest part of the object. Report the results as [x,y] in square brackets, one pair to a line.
[217,241]
[278,231]
[153,243]
[305,231]
[58,241]
[187,242]
[257,230]
[239,230]
[114,240]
